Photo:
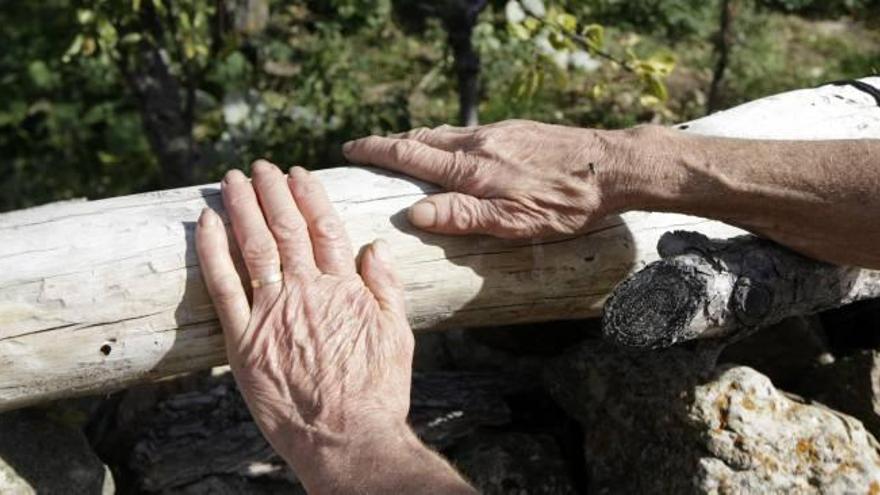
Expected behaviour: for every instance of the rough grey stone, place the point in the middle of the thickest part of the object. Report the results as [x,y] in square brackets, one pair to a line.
[38,455]
[668,422]
[758,440]
[513,463]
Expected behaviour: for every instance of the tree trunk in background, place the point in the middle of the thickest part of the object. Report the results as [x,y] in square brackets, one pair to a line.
[459,23]
[723,44]
[166,106]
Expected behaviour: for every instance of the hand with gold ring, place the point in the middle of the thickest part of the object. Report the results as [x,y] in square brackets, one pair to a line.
[323,355]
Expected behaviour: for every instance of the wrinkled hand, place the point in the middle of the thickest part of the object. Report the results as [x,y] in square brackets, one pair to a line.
[323,358]
[513,179]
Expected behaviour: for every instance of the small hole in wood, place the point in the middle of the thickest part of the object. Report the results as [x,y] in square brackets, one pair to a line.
[683,127]
[105,349]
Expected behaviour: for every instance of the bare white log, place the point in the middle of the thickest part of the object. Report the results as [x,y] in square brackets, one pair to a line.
[98,295]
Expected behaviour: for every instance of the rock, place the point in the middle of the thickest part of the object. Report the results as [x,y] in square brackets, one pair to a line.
[632,406]
[202,439]
[234,485]
[849,384]
[513,463]
[783,352]
[447,406]
[758,440]
[212,424]
[38,455]
[668,422]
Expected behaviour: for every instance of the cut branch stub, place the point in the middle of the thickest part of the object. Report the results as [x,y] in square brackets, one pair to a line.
[712,288]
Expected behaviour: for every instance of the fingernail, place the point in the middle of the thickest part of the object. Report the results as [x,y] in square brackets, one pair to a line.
[234,175]
[423,214]
[382,250]
[208,218]
[298,171]
[264,164]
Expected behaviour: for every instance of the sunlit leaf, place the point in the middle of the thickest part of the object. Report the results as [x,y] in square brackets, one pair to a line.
[594,34]
[535,7]
[567,22]
[654,86]
[519,31]
[514,12]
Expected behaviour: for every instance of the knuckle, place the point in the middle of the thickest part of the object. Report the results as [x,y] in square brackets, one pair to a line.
[418,133]
[259,249]
[224,289]
[287,229]
[469,174]
[464,215]
[327,227]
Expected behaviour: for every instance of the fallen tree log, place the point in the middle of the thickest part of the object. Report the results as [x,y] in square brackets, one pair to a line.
[705,288]
[95,296]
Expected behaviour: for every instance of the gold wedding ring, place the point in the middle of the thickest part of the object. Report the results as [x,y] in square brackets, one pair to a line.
[267,280]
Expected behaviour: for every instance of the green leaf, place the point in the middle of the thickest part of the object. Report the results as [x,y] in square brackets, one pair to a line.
[654,86]
[567,22]
[594,34]
[532,24]
[40,74]
[131,38]
[73,49]
[519,31]
[558,41]
[85,16]
[660,64]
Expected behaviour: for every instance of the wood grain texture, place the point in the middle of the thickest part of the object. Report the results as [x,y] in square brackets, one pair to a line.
[98,295]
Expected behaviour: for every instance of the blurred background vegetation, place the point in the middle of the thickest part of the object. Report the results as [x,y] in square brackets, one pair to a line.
[110,97]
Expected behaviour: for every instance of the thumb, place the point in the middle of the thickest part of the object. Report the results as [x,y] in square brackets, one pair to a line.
[457,213]
[379,276]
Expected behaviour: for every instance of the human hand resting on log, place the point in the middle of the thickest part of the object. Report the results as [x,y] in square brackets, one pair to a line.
[323,355]
[522,179]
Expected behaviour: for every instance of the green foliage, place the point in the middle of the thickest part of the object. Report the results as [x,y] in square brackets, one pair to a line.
[532,22]
[294,81]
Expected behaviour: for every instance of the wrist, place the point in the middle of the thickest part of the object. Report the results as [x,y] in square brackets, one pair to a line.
[330,464]
[640,170]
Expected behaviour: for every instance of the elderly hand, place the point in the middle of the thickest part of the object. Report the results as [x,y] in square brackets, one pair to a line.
[513,179]
[323,357]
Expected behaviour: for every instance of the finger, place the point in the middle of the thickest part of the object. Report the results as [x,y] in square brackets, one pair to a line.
[332,249]
[284,219]
[459,214]
[251,232]
[379,276]
[443,137]
[223,283]
[407,156]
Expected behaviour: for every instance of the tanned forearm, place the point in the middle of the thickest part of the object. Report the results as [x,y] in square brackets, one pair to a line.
[821,198]
[389,461]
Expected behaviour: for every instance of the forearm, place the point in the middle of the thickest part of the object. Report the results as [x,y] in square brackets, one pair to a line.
[391,461]
[821,198]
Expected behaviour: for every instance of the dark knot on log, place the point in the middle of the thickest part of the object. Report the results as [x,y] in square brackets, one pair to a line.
[653,309]
[724,287]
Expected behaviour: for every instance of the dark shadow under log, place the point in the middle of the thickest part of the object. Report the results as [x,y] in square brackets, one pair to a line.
[712,288]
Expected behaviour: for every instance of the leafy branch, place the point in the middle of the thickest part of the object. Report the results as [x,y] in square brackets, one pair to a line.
[529,19]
